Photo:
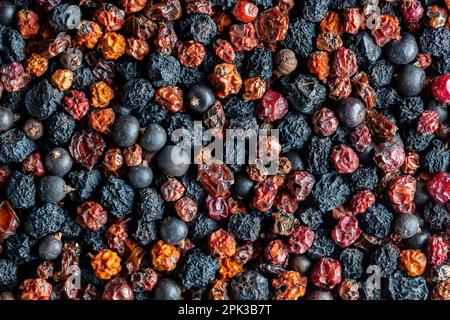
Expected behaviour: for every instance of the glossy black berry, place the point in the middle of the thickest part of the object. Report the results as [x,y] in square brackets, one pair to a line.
[410,81]
[402,51]
[199,98]
[125,131]
[242,186]
[406,225]
[166,289]
[173,230]
[419,240]
[140,177]
[58,161]
[154,138]
[6,119]
[173,161]
[351,112]
[50,248]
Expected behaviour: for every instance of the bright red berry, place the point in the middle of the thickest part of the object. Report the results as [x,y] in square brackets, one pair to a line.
[346,232]
[441,88]
[245,11]
[439,187]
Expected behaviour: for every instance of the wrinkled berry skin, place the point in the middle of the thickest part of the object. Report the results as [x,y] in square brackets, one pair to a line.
[249,285]
[441,88]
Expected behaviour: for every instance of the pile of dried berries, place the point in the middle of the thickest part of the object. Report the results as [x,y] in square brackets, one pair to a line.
[93,186]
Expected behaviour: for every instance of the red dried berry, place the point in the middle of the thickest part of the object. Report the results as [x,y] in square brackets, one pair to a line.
[346,232]
[215,178]
[224,50]
[199,6]
[361,201]
[353,20]
[285,202]
[441,89]
[325,123]
[300,240]
[272,25]
[361,138]
[186,209]
[300,184]
[166,38]
[245,11]
[389,156]
[326,273]
[217,208]
[172,190]
[387,30]
[402,189]
[86,147]
[133,155]
[243,36]
[412,11]
[344,159]
[76,104]
[191,53]
[439,187]
[344,63]
[91,216]
[265,193]
[13,77]
[33,164]
[9,222]
[110,17]
[428,122]
[437,250]
[276,252]
[339,88]
[273,106]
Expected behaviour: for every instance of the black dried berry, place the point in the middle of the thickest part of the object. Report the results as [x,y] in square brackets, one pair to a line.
[145,231]
[385,257]
[435,41]
[249,285]
[198,269]
[311,217]
[300,37]
[436,217]
[150,204]
[15,146]
[294,131]
[323,245]
[137,92]
[150,113]
[42,100]
[402,287]
[8,273]
[376,221]
[351,260]
[117,197]
[410,109]
[381,73]
[44,220]
[12,46]
[85,184]
[315,10]
[318,155]
[198,27]
[201,227]
[330,184]
[65,17]
[244,226]
[163,70]
[59,128]
[436,158]
[21,190]
[94,240]
[259,63]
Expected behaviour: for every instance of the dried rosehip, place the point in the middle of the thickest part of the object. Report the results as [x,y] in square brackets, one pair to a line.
[88,34]
[344,159]
[285,5]
[344,63]
[170,97]
[326,273]
[101,94]
[289,285]
[402,189]
[219,290]
[441,88]
[215,178]
[165,10]
[166,38]
[224,50]
[13,77]
[172,190]
[300,184]
[439,187]
[346,232]
[226,80]
[380,126]
[361,138]
[133,155]
[140,26]
[349,290]
[86,148]
[33,164]
[254,88]
[101,120]
[276,252]
[428,122]
[339,88]
[389,156]
[437,250]
[116,236]
[35,289]
[324,122]
[441,291]
[229,268]
[271,25]
[186,209]
[285,202]
[413,262]
[332,23]
[62,79]
[9,222]
[388,29]
[28,22]
[284,223]
[106,264]
[36,65]
[117,289]
[91,216]
[327,41]
[76,104]
[300,240]
[361,201]
[265,193]
[191,53]
[222,244]
[243,36]
[164,256]
[110,17]
[273,106]
[411,163]
[353,20]
[412,11]
[217,208]
[132,6]
[436,17]
[137,48]
[112,160]
[112,45]
[319,64]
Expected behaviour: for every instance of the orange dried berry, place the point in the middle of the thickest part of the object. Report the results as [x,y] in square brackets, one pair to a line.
[413,262]
[225,79]
[332,23]
[411,163]
[389,29]
[219,290]
[164,256]
[36,65]
[319,64]
[191,53]
[112,160]
[101,120]
[170,97]
[186,209]
[289,285]
[101,94]
[35,289]
[106,264]
[88,34]
[222,21]
[62,79]
[353,20]
[436,16]
[229,268]
[349,290]
[222,244]
[112,45]
[328,41]
[441,291]
[224,50]
[254,88]
[137,48]
[28,22]
[133,155]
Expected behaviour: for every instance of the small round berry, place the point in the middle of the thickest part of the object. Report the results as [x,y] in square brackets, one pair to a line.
[7,12]
[410,81]
[200,98]
[245,11]
[441,88]
[50,248]
[406,225]
[33,129]
[58,162]
[125,131]
[402,51]
[6,119]
[140,177]
[172,230]
[166,289]
[153,138]
[242,186]
[344,159]
[51,189]
[418,241]
[173,161]
[351,112]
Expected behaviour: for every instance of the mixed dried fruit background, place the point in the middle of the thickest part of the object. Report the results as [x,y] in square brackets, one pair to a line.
[90,92]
